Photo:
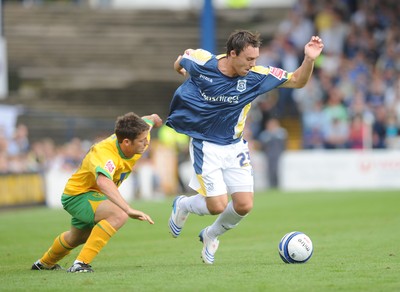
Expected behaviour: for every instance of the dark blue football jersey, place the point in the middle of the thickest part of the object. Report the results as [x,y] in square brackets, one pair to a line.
[211,106]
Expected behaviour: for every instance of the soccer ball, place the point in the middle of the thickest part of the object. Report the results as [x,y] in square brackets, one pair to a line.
[295,248]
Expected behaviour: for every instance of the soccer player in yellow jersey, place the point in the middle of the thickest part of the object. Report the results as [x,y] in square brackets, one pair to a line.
[92,197]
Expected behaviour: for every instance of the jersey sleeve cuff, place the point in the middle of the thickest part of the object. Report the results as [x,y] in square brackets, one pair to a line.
[150,122]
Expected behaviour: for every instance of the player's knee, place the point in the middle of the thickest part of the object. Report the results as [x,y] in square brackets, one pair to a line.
[243,208]
[216,209]
[76,237]
[118,219]
[123,217]
[216,205]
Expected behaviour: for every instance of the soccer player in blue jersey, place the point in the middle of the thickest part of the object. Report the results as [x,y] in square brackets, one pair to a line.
[211,107]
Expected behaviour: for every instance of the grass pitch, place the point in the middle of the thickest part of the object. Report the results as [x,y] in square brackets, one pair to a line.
[355,236]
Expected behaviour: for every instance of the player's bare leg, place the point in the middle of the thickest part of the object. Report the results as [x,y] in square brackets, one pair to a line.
[109,218]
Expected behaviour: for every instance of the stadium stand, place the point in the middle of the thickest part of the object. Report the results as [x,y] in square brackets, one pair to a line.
[75,62]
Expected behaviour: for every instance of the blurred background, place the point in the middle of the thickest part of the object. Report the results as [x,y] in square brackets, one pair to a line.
[68,68]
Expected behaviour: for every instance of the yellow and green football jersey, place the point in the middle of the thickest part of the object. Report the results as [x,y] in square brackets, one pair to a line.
[106,158]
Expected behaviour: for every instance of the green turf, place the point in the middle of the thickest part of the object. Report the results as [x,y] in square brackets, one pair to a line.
[355,235]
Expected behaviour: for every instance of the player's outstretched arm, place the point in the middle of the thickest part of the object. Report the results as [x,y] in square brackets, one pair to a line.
[108,188]
[301,76]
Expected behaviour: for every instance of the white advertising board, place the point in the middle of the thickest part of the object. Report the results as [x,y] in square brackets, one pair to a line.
[340,170]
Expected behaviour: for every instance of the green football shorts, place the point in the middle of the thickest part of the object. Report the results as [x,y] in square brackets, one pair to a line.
[82,208]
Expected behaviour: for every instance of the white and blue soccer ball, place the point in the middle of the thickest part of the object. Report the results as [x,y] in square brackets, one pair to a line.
[295,248]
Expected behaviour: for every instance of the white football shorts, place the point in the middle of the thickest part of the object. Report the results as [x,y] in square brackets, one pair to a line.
[220,169]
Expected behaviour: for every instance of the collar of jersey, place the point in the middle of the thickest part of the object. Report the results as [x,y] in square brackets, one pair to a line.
[120,151]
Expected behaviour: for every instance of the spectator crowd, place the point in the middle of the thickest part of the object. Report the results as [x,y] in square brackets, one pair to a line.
[353,98]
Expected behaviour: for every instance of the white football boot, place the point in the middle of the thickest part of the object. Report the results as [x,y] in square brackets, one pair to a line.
[210,247]
[177,218]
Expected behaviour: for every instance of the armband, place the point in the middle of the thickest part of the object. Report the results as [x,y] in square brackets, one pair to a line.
[148,121]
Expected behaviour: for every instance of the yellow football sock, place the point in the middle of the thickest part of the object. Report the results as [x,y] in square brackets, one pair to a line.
[56,252]
[100,235]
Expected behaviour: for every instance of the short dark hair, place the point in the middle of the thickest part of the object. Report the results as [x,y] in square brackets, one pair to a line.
[241,39]
[129,126]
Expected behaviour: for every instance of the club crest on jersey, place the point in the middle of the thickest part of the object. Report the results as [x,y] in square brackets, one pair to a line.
[241,85]
[110,166]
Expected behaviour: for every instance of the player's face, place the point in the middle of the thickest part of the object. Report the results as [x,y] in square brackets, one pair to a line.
[137,146]
[246,60]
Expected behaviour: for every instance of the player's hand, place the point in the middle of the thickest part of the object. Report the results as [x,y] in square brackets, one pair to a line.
[314,47]
[156,120]
[139,215]
[178,68]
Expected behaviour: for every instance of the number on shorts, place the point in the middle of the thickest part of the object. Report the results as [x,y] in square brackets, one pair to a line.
[244,158]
